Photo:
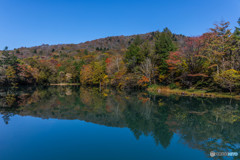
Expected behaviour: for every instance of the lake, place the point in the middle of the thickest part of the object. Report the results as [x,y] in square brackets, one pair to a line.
[73,123]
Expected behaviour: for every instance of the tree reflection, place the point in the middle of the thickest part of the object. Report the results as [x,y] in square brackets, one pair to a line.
[205,124]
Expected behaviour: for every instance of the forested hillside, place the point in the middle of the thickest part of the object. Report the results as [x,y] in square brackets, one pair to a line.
[210,61]
[109,44]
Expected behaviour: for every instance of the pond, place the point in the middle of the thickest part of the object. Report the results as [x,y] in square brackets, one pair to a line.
[73,123]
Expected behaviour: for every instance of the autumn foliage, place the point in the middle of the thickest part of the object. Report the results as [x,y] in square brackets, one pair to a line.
[211,60]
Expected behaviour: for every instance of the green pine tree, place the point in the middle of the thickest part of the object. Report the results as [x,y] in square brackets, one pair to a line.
[237,30]
[9,59]
[134,56]
[163,47]
[86,52]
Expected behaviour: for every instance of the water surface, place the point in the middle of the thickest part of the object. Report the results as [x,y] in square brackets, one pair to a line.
[73,123]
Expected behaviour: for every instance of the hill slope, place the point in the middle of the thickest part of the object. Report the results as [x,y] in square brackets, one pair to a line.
[114,44]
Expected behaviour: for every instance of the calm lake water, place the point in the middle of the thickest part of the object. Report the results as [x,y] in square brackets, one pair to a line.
[73,123]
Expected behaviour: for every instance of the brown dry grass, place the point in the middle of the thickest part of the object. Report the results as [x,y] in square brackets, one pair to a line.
[65,84]
[190,92]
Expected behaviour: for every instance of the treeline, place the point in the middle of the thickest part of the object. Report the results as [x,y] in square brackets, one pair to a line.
[211,61]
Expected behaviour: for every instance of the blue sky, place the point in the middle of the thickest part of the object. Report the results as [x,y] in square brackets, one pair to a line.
[25,23]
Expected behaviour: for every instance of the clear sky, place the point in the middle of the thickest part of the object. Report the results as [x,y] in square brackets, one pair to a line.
[34,22]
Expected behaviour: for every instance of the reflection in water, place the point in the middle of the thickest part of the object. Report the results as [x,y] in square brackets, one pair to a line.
[204,124]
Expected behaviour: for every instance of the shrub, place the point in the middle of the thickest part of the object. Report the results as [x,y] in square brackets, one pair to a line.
[172,86]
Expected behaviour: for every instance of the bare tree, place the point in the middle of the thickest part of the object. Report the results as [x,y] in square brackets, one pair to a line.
[148,69]
[118,59]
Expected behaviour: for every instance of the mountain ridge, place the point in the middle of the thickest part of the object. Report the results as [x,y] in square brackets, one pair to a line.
[111,43]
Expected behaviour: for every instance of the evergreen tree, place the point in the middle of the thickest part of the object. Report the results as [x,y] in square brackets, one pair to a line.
[163,47]
[134,56]
[8,59]
[168,32]
[146,49]
[237,30]
[86,52]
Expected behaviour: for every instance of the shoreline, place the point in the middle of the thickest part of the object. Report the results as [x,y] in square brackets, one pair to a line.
[159,90]
[65,84]
[165,90]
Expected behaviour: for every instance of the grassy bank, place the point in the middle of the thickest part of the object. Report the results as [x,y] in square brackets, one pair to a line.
[165,90]
[65,84]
